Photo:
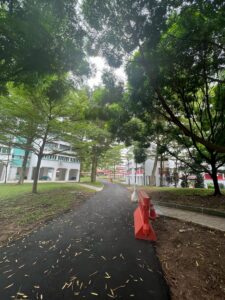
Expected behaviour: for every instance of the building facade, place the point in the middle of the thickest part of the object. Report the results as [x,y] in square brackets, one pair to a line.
[58,164]
[140,174]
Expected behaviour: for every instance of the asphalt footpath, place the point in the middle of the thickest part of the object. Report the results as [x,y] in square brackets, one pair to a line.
[90,253]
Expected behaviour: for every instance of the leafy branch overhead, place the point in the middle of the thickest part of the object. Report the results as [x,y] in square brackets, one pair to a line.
[39,38]
[175,66]
[185,47]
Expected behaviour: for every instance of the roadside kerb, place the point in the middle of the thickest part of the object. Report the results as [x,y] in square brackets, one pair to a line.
[202,210]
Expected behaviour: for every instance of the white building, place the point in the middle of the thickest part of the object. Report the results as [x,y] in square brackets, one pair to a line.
[58,164]
[5,158]
[141,173]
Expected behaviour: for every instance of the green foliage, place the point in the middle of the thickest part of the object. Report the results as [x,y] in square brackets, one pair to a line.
[123,26]
[184,181]
[199,183]
[177,72]
[39,38]
[19,205]
[111,157]
[140,154]
[221,185]
[89,135]
[31,117]
[28,112]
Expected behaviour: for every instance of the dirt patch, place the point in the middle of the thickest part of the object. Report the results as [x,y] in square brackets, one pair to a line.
[206,201]
[8,231]
[193,259]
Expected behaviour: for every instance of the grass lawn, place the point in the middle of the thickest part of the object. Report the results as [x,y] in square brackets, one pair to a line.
[20,209]
[10,190]
[180,191]
[186,196]
[87,180]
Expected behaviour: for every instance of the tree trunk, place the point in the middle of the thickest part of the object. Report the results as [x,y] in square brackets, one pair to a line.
[152,181]
[40,155]
[215,182]
[114,171]
[176,177]
[36,174]
[80,169]
[6,172]
[24,167]
[25,159]
[161,170]
[6,166]
[93,168]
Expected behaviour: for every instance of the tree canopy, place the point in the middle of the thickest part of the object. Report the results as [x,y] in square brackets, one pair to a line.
[39,38]
[191,37]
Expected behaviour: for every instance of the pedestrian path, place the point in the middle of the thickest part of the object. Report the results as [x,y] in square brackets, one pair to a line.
[89,253]
[92,187]
[201,219]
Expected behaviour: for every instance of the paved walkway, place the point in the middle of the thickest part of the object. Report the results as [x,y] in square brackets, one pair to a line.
[92,187]
[90,253]
[202,219]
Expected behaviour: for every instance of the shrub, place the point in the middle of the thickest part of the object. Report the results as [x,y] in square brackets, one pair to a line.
[210,186]
[221,186]
[199,183]
[184,182]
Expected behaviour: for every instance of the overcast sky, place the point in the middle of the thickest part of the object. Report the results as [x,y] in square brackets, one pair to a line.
[100,64]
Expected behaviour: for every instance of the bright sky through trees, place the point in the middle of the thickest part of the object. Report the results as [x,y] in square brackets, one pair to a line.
[99,64]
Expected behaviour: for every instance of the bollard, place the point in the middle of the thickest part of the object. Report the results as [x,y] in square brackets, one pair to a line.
[142,228]
[134,195]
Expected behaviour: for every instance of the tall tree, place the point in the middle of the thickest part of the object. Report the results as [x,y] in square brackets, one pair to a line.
[99,142]
[112,158]
[145,25]
[178,67]
[39,116]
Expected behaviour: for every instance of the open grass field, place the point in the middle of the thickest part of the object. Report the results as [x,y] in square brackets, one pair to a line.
[20,210]
[87,180]
[10,190]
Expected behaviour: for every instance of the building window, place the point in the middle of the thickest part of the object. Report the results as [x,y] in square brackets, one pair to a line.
[63,158]
[51,146]
[50,157]
[64,147]
[74,160]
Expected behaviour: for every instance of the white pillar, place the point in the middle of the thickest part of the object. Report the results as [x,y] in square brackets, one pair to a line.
[54,174]
[67,175]
[78,175]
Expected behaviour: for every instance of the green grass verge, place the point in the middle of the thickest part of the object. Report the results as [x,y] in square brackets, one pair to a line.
[180,191]
[10,190]
[87,180]
[19,206]
[97,183]
[185,197]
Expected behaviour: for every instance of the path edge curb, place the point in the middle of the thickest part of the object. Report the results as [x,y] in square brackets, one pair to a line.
[202,210]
